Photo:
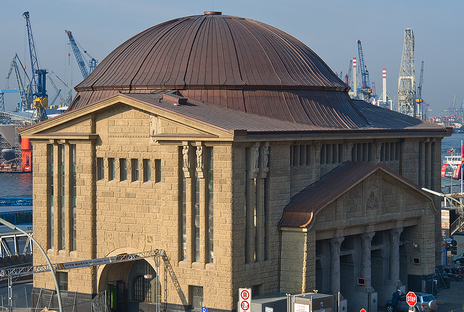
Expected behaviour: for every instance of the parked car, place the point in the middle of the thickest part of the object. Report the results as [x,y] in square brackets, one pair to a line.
[425,303]
[459,258]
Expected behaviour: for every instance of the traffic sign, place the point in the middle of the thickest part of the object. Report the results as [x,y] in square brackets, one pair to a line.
[245,299]
[411,299]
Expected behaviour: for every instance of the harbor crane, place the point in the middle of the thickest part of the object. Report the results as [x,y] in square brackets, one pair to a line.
[24,92]
[39,75]
[419,100]
[406,79]
[80,60]
[366,90]
[58,93]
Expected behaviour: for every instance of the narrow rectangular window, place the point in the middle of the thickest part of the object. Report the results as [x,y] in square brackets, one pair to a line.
[100,169]
[51,212]
[135,169]
[62,216]
[158,170]
[111,169]
[196,215]
[210,204]
[73,197]
[183,207]
[146,170]
[122,169]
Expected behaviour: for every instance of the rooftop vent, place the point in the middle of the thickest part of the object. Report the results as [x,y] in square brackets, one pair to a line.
[176,99]
[213,13]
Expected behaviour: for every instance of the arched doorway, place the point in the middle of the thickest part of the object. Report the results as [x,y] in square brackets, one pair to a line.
[143,283]
[130,285]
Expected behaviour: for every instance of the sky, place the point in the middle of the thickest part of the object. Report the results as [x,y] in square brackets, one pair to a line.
[330,28]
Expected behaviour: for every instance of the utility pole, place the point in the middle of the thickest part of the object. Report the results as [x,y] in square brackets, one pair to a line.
[406,79]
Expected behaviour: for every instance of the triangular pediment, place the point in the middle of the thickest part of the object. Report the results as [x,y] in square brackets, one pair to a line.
[137,118]
[356,191]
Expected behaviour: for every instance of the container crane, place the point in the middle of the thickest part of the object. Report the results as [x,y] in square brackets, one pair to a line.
[80,60]
[38,80]
[365,86]
[24,92]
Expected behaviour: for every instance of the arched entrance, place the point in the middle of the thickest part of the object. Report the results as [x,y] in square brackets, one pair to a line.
[129,285]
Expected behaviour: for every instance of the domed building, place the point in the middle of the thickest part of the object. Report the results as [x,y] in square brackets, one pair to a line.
[212,153]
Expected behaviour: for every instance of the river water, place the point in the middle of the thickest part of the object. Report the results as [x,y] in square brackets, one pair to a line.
[16,185]
[20,184]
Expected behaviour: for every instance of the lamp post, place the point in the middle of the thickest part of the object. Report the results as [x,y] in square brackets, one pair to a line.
[13,227]
[443,195]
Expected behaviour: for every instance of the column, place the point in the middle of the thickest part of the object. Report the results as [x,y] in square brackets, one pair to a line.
[395,254]
[315,161]
[348,152]
[366,260]
[335,244]
[428,165]
[422,163]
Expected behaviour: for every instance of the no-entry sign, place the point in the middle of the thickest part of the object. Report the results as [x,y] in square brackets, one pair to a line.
[245,299]
[411,299]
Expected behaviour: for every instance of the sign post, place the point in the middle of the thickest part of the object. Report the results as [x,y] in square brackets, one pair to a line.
[411,299]
[244,295]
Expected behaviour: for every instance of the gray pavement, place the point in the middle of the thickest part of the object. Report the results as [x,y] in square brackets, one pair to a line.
[451,299]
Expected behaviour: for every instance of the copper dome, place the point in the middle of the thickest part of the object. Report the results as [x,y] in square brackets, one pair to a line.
[233,62]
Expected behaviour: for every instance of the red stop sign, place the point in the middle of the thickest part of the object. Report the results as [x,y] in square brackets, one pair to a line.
[411,299]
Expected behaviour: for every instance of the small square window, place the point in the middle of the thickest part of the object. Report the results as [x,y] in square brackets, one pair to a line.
[196,297]
[62,278]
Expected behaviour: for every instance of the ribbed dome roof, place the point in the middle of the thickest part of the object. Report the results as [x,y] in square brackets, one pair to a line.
[212,51]
[228,61]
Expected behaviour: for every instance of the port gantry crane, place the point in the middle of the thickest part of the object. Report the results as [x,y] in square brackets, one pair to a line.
[39,75]
[365,86]
[406,79]
[24,92]
[419,100]
[80,60]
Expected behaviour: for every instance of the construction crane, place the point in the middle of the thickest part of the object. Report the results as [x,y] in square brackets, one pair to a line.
[25,93]
[38,80]
[80,60]
[157,254]
[365,85]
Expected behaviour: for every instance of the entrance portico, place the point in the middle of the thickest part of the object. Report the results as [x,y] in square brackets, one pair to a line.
[365,220]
